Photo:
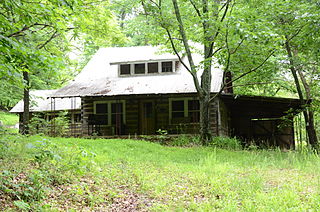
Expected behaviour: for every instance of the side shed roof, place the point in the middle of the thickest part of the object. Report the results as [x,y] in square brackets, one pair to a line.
[40,102]
[260,106]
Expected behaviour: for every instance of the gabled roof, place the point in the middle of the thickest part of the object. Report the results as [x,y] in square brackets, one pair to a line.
[40,102]
[100,75]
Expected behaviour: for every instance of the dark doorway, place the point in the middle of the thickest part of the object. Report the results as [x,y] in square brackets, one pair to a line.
[147,118]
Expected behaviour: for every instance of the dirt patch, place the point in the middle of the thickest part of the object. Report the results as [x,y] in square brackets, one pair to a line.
[131,201]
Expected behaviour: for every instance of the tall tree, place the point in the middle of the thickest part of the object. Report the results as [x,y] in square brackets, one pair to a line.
[297,23]
[35,37]
[213,25]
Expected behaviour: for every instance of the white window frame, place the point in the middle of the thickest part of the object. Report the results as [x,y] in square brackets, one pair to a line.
[109,109]
[132,64]
[185,105]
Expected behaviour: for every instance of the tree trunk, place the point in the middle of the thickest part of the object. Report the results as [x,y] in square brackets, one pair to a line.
[307,114]
[312,135]
[204,101]
[26,103]
[205,133]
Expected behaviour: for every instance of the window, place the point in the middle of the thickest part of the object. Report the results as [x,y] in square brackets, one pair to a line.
[148,68]
[101,113]
[177,64]
[153,68]
[124,69]
[116,113]
[76,117]
[139,68]
[166,66]
[184,110]
[109,112]
[177,109]
[194,110]
[102,108]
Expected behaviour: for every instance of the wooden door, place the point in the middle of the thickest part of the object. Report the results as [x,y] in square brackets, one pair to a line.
[147,118]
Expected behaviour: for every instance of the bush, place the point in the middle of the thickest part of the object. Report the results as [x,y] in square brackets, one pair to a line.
[61,124]
[185,141]
[39,125]
[226,143]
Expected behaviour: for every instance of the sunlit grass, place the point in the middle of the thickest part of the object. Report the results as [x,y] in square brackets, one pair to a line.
[197,178]
[8,118]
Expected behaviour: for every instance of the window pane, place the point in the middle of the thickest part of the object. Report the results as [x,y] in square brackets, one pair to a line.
[77,117]
[193,105]
[101,119]
[178,105]
[125,69]
[116,108]
[177,114]
[177,63]
[147,109]
[152,67]
[139,68]
[194,116]
[101,108]
[116,119]
[166,66]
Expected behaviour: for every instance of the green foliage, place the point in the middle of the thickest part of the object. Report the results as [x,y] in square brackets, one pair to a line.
[41,165]
[185,141]
[38,37]
[226,143]
[57,126]
[39,125]
[60,124]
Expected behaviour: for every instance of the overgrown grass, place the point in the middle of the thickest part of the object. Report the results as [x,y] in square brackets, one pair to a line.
[84,174]
[8,118]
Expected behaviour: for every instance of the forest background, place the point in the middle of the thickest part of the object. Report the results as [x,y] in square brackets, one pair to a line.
[270,47]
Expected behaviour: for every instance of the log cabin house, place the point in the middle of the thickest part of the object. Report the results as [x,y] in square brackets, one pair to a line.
[138,90]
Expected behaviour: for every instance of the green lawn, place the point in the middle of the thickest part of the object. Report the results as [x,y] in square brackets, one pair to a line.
[84,174]
[8,118]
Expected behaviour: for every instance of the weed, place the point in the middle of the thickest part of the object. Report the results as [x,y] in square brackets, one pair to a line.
[226,143]
[185,141]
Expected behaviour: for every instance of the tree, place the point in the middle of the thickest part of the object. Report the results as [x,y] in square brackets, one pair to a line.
[35,38]
[297,23]
[213,25]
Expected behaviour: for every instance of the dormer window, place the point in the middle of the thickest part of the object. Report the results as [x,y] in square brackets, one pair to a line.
[139,68]
[124,69]
[153,68]
[166,66]
[145,68]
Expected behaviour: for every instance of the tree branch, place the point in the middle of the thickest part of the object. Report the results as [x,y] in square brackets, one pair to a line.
[54,35]
[226,5]
[186,45]
[195,7]
[244,74]
[16,34]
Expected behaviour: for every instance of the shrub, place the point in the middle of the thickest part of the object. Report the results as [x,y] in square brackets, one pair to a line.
[226,143]
[39,125]
[185,140]
[61,124]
